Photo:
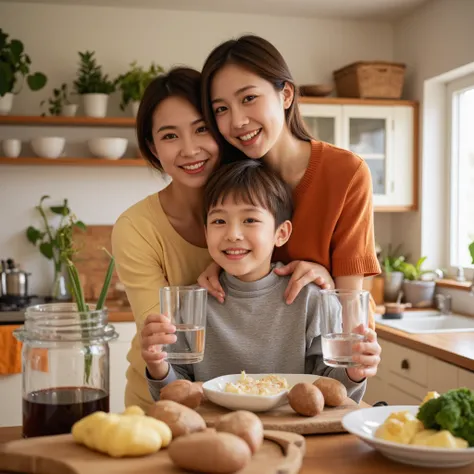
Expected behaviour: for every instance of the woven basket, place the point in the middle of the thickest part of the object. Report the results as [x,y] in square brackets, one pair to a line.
[370,80]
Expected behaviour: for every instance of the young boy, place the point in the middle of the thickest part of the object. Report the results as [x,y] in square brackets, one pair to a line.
[247,211]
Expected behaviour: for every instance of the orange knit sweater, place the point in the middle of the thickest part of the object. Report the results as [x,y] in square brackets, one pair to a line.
[333,218]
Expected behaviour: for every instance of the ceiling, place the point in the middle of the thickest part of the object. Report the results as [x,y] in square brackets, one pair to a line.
[375,10]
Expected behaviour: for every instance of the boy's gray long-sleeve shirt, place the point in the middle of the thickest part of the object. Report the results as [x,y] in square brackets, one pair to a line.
[256,331]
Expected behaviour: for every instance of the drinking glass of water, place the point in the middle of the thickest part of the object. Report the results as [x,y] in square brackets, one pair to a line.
[344,318]
[186,307]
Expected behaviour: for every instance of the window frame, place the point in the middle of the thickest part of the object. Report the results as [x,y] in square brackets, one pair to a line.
[453,89]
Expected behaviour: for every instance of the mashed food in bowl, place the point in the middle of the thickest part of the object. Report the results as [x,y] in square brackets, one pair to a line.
[268,385]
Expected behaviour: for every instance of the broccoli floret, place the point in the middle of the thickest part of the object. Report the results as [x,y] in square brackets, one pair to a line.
[452,411]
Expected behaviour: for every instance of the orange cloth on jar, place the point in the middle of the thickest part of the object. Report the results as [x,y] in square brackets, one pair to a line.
[10,353]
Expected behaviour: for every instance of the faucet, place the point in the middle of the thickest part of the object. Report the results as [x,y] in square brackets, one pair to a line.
[443,302]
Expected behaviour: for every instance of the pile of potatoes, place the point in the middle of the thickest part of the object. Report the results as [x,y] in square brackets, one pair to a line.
[309,399]
[225,449]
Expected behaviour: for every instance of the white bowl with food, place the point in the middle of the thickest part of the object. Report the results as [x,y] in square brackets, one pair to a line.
[108,148]
[365,422]
[253,392]
[48,147]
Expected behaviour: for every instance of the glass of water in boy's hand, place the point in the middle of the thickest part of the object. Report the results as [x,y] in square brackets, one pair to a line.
[186,308]
[344,319]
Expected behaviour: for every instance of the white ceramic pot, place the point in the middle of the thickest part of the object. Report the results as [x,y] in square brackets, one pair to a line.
[392,285]
[11,147]
[95,105]
[69,110]
[48,147]
[135,107]
[6,103]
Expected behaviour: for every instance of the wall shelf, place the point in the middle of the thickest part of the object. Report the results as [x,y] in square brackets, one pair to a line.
[73,161]
[67,121]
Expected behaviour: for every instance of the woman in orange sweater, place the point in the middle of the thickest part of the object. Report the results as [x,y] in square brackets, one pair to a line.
[249,99]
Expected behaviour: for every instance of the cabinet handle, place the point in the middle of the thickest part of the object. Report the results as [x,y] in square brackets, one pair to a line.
[405,364]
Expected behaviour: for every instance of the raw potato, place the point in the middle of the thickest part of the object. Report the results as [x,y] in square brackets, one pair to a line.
[334,392]
[245,425]
[211,453]
[181,420]
[184,392]
[306,399]
[200,384]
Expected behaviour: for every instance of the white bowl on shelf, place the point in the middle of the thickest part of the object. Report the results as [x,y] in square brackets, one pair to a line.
[48,147]
[108,148]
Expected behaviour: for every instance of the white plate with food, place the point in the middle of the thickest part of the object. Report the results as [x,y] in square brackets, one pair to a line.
[253,392]
[367,425]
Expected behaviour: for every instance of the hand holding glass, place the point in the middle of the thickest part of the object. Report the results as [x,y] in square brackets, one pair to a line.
[344,319]
[186,308]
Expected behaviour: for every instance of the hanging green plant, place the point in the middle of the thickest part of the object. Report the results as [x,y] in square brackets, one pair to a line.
[15,67]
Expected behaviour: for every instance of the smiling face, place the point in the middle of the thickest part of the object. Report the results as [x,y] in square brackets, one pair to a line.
[182,142]
[241,238]
[249,111]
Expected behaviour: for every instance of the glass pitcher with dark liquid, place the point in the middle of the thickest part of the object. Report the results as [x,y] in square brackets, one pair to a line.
[65,366]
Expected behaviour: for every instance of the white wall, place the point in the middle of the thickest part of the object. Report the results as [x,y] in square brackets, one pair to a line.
[434,40]
[53,35]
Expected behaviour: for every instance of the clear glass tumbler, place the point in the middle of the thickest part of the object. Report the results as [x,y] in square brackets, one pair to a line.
[65,360]
[344,319]
[186,307]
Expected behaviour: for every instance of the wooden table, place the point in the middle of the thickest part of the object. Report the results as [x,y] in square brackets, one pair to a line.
[325,454]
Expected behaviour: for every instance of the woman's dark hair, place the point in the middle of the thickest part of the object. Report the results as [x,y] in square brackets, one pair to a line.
[181,82]
[252,182]
[259,56]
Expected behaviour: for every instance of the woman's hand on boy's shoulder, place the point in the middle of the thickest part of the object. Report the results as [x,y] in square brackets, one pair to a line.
[209,280]
[302,273]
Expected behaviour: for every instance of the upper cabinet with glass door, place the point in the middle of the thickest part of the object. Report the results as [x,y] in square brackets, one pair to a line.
[382,135]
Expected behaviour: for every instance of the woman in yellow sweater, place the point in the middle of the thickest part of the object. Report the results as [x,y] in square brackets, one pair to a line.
[160,240]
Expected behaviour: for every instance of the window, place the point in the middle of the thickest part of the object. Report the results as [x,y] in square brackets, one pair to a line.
[461,169]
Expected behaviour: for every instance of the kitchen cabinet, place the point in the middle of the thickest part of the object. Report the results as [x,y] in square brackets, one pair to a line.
[405,376]
[11,385]
[383,135]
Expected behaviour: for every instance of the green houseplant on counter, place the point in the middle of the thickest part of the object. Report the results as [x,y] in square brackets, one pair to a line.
[417,290]
[14,68]
[93,85]
[392,273]
[47,240]
[134,82]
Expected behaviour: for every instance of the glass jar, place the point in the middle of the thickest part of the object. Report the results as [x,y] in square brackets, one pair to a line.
[65,366]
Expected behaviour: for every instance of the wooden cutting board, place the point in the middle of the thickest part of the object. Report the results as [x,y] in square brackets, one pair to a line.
[284,418]
[281,453]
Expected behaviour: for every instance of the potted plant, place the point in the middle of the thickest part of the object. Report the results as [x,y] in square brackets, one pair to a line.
[134,82]
[418,290]
[14,68]
[392,273]
[93,85]
[49,243]
[59,103]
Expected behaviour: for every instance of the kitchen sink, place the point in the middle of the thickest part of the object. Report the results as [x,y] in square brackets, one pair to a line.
[425,322]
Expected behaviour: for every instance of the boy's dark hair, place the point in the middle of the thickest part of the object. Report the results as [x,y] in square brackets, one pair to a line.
[252,182]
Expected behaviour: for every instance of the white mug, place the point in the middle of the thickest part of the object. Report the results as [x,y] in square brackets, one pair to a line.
[11,147]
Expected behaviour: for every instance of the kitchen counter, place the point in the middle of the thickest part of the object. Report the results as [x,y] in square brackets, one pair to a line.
[455,348]
[326,454]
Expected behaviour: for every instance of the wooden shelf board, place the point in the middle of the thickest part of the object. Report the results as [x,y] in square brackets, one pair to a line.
[35,161]
[67,121]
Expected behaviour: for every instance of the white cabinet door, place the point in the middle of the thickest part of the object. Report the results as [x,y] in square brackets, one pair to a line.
[441,376]
[119,364]
[465,378]
[367,131]
[323,122]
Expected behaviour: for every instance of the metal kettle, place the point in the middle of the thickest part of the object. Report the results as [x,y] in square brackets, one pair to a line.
[14,281]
